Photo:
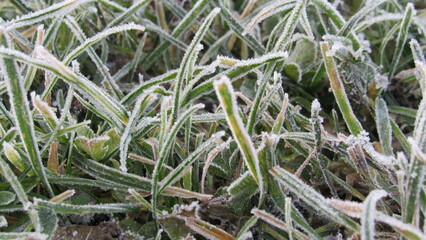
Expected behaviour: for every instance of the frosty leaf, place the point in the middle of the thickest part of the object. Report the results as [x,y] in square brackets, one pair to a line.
[64,208]
[54,10]
[188,62]
[13,156]
[270,219]
[226,96]
[402,38]
[6,197]
[269,10]
[383,125]
[369,213]
[21,112]
[98,147]
[311,197]
[180,169]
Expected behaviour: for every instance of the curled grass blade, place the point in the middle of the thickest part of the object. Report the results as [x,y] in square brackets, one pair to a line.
[369,213]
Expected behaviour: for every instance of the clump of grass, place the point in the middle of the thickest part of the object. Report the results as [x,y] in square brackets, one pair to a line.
[213,119]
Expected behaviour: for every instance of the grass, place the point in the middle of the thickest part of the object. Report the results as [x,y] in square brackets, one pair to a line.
[298,119]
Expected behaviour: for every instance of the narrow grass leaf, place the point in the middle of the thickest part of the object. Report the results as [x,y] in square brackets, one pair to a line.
[416,168]
[369,213]
[188,19]
[337,19]
[21,111]
[383,126]
[54,10]
[137,5]
[270,219]
[349,25]
[142,200]
[207,230]
[234,24]
[165,150]
[182,167]
[15,184]
[245,230]
[227,99]
[401,39]
[188,63]
[420,60]
[64,208]
[268,10]
[339,91]
[127,137]
[290,26]
[311,197]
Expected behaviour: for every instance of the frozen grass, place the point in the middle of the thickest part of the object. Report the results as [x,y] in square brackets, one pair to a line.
[298,119]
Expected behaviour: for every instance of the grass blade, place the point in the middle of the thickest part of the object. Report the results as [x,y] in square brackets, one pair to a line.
[185,67]
[180,169]
[383,126]
[38,16]
[339,91]
[238,29]
[227,99]
[311,197]
[369,213]
[402,38]
[21,111]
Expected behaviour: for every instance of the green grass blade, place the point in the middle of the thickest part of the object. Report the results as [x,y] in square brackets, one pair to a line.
[234,24]
[336,18]
[401,39]
[238,70]
[14,183]
[312,198]
[369,213]
[280,45]
[61,8]
[349,25]
[384,126]
[245,230]
[64,208]
[418,57]
[416,170]
[290,26]
[165,150]
[21,112]
[176,174]
[128,12]
[93,92]
[186,22]
[188,58]
[339,91]
[227,99]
